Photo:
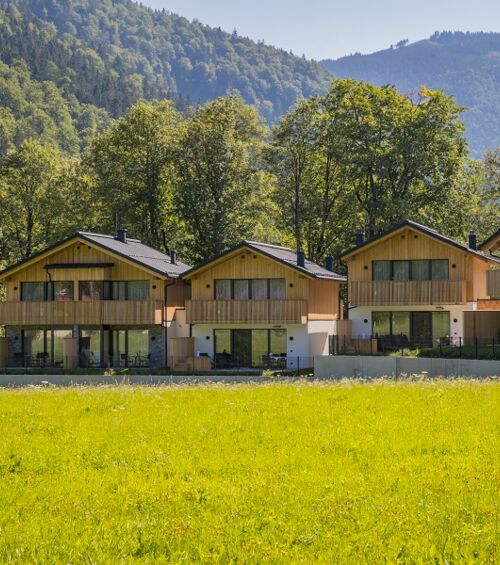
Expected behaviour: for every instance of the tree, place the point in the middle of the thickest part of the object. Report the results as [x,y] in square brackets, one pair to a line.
[400,155]
[219,186]
[132,164]
[31,202]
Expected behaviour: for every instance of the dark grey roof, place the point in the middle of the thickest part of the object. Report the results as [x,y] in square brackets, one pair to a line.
[133,250]
[138,252]
[424,229]
[281,254]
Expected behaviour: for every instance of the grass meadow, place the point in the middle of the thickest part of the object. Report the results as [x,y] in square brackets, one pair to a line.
[298,473]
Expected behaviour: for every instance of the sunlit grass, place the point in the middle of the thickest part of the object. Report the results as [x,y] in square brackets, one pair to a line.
[340,473]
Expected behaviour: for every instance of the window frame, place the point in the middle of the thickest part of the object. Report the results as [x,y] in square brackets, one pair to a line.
[250,290]
[430,263]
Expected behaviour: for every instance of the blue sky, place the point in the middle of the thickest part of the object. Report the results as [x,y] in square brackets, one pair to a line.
[332,28]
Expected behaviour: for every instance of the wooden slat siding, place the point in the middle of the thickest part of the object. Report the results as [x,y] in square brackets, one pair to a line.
[493,283]
[491,305]
[148,312]
[402,293]
[246,311]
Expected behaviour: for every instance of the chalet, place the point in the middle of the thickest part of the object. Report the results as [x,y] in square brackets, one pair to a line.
[413,285]
[93,301]
[259,305]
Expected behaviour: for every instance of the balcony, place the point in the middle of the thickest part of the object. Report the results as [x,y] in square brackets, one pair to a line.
[493,283]
[96,313]
[246,311]
[404,293]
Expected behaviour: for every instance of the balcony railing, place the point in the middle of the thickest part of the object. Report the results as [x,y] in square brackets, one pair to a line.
[403,293]
[246,311]
[493,283]
[95,313]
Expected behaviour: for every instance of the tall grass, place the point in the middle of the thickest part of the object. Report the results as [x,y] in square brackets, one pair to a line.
[341,473]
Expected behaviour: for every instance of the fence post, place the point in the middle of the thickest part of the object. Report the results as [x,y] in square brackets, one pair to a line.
[460,347]
[477,352]
[298,366]
[440,348]
[493,346]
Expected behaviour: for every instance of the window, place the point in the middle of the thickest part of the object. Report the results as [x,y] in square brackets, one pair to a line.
[400,323]
[417,270]
[440,324]
[401,270]
[32,291]
[60,291]
[137,290]
[381,323]
[277,289]
[241,290]
[439,270]
[95,290]
[223,289]
[278,342]
[223,342]
[259,289]
[381,270]
[120,290]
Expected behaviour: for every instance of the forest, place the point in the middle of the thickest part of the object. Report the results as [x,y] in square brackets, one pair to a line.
[97,128]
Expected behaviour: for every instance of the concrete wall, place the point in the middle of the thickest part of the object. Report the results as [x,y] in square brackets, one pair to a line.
[348,366]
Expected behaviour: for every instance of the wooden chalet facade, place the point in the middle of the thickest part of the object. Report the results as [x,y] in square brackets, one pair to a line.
[92,301]
[415,284]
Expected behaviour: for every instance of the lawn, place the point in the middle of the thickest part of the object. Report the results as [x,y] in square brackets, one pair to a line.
[337,473]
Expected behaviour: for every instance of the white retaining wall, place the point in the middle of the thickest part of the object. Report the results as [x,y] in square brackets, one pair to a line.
[348,366]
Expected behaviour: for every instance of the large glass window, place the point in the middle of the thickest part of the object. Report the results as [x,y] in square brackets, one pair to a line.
[95,290]
[260,347]
[420,270]
[440,324]
[241,289]
[401,323]
[32,291]
[401,270]
[381,323]
[138,290]
[223,289]
[58,338]
[223,342]
[277,289]
[439,270]
[259,289]
[34,346]
[60,291]
[381,270]
[278,342]
[120,290]
[138,346]
[90,348]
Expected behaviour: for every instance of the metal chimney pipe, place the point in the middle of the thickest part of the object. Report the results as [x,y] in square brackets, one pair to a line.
[329,263]
[301,258]
[173,257]
[472,241]
[121,234]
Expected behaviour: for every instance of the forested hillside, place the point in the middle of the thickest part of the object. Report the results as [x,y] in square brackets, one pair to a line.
[466,65]
[135,52]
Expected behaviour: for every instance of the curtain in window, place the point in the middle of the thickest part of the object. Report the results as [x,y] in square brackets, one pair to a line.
[401,270]
[381,270]
[119,290]
[138,290]
[420,270]
[32,291]
[277,289]
[439,270]
[91,290]
[381,323]
[223,289]
[259,289]
[241,290]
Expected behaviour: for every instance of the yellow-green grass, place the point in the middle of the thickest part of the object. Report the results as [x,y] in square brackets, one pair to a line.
[299,473]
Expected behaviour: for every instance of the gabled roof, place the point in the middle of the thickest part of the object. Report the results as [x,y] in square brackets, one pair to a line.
[485,245]
[134,251]
[425,230]
[277,253]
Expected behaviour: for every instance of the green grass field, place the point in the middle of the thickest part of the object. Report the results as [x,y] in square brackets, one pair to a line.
[340,473]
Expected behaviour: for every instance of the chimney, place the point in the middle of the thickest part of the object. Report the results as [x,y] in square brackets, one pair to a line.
[301,258]
[173,257]
[472,241]
[121,234]
[360,238]
[329,263]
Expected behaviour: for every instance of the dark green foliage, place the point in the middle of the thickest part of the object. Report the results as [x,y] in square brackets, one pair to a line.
[151,53]
[465,65]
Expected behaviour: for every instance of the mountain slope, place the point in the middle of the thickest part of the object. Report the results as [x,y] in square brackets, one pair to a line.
[185,57]
[466,65]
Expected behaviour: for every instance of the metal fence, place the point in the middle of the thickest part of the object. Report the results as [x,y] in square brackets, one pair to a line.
[444,347]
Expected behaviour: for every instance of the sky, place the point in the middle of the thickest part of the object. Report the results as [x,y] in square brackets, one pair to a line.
[323,29]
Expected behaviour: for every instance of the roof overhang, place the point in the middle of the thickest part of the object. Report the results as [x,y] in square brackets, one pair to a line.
[76,238]
[416,227]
